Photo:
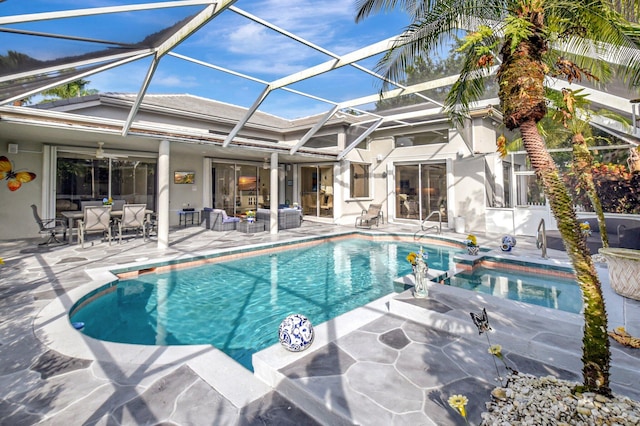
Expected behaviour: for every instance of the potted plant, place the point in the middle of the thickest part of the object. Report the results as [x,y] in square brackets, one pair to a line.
[251,216]
[472,245]
[624,270]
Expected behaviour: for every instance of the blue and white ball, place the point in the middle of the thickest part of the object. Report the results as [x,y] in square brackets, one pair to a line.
[507,243]
[296,333]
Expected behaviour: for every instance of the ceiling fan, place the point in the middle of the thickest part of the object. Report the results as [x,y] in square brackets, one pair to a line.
[101,154]
[100,150]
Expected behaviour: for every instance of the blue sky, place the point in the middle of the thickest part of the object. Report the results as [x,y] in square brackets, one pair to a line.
[229,41]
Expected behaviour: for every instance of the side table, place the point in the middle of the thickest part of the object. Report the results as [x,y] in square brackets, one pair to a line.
[249,227]
[186,215]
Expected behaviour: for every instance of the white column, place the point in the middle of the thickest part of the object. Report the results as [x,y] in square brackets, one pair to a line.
[273,198]
[49,169]
[163,194]
[296,186]
[207,193]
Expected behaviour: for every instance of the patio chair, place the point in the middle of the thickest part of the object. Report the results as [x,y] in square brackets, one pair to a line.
[221,222]
[369,216]
[50,227]
[327,205]
[96,219]
[309,203]
[411,208]
[133,217]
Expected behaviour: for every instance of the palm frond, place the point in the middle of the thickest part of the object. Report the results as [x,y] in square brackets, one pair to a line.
[434,31]
[592,35]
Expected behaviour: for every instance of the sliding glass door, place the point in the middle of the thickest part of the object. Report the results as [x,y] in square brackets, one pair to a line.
[81,177]
[421,189]
[240,187]
[316,186]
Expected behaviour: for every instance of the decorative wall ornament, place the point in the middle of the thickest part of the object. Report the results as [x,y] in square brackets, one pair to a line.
[296,333]
[14,179]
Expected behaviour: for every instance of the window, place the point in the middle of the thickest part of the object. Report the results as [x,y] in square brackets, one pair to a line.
[431,137]
[359,181]
[506,174]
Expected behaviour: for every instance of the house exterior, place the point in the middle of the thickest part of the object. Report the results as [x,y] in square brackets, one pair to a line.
[429,170]
[175,152]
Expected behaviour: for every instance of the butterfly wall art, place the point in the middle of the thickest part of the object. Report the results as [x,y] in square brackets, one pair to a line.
[14,179]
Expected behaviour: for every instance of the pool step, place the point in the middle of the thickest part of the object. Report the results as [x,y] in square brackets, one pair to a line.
[434,275]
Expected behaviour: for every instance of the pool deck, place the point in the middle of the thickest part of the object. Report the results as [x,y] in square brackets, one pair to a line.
[394,361]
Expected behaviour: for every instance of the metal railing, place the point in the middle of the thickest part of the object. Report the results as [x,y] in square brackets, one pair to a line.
[438,227]
[541,239]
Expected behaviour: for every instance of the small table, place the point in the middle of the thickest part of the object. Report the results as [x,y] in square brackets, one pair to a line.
[185,215]
[250,227]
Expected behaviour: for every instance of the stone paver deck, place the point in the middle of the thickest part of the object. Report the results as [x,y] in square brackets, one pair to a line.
[395,361]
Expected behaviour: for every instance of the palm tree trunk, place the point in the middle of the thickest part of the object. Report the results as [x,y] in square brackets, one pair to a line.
[583,161]
[595,341]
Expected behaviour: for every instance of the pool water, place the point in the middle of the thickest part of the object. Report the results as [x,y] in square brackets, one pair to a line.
[237,306]
[538,289]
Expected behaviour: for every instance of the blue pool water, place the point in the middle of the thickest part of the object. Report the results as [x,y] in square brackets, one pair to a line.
[538,289]
[238,305]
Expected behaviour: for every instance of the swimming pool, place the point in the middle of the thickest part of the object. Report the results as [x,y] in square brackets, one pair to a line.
[556,292]
[238,305]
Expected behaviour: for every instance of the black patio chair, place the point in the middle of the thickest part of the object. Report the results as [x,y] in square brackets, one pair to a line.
[51,227]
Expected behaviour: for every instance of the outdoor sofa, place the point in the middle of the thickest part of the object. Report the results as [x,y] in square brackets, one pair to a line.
[287,217]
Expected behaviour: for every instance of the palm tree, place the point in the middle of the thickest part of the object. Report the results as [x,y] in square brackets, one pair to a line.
[532,39]
[69,90]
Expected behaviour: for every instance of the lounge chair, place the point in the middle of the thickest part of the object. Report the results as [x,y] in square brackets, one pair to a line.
[369,216]
[50,227]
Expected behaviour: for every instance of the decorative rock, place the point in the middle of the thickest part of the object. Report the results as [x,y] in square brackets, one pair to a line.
[499,393]
[296,333]
[531,400]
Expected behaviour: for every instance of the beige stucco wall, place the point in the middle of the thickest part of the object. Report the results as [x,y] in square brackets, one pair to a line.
[16,218]
[185,196]
[468,184]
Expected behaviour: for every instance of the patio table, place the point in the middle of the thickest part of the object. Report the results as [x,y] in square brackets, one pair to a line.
[250,227]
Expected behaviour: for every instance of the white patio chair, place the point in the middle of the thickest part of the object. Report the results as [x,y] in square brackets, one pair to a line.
[133,217]
[96,219]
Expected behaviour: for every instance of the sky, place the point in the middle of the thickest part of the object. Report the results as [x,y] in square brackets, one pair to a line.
[230,41]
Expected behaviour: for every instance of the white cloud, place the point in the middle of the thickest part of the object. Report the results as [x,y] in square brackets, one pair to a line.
[272,53]
[173,81]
